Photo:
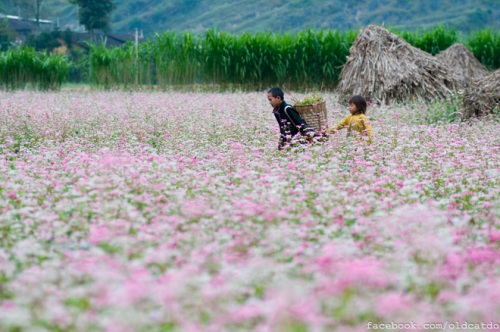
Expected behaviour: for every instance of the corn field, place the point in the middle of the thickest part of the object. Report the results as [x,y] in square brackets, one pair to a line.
[310,60]
[24,68]
[247,61]
[485,45]
[432,41]
[303,61]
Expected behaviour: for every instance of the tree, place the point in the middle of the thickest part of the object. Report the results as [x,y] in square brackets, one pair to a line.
[94,14]
[37,11]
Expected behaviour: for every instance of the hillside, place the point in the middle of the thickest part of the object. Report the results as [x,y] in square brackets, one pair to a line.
[280,16]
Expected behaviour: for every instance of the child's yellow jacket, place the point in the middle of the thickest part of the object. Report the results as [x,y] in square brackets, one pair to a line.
[357,122]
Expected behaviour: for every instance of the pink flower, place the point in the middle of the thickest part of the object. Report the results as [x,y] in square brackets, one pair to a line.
[483,255]
[487,205]
[494,235]
[364,272]
[7,305]
[392,303]
[448,296]
[98,234]
[247,312]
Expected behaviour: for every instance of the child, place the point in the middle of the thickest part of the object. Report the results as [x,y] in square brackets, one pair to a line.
[357,122]
[289,120]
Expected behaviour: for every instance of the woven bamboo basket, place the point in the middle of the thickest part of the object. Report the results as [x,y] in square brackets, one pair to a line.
[315,115]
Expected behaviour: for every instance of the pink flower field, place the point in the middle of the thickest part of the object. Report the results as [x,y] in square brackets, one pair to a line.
[176,212]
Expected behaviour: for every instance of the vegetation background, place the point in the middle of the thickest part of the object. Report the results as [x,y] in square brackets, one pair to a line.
[276,15]
[235,44]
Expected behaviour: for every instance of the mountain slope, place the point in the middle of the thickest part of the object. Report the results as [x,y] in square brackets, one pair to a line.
[283,16]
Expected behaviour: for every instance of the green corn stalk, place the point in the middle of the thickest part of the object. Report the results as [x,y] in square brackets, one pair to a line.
[24,67]
[431,41]
[309,60]
[485,45]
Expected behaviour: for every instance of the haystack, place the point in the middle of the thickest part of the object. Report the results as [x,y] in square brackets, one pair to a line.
[463,63]
[482,96]
[385,66]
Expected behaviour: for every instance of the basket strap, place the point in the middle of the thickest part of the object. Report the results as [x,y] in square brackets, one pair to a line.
[287,107]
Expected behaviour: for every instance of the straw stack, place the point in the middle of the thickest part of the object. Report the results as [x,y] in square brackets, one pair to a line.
[463,63]
[385,66]
[482,96]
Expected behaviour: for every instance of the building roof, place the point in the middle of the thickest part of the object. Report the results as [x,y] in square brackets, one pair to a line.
[110,39]
[23,26]
[26,27]
[13,17]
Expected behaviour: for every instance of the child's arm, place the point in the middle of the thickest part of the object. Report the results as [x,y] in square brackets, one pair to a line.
[338,126]
[367,127]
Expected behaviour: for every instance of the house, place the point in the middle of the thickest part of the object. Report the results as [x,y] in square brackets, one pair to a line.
[24,27]
[110,40]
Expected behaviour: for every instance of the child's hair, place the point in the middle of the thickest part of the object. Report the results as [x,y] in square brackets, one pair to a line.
[360,103]
[276,92]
